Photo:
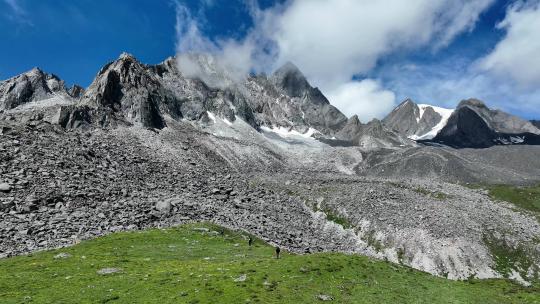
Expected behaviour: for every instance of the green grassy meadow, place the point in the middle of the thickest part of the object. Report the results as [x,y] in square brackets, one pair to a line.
[204,263]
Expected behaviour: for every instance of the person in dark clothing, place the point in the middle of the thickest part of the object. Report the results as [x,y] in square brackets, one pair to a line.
[250,241]
[277,252]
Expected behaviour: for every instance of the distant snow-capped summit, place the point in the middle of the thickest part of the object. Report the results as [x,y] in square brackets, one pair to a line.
[471,124]
[417,121]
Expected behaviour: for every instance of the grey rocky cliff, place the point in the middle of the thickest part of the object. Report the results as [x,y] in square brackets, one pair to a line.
[34,85]
[126,91]
[373,135]
[315,108]
[498,120]
[403,118]
[414,121]
[430,118]
[473,124]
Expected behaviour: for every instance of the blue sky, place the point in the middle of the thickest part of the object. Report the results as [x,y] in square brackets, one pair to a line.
[366,56]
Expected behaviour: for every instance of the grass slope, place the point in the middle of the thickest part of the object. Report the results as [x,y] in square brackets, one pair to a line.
[203,263]
[527,198]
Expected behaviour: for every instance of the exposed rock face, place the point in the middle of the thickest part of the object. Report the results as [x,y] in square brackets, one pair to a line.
[498,120]
[429,119]
[291,80]
[474,125]
[314,108]
[285,99]
[536,123]
[195,98]
[149,95]
[76,91]
[418,122]
[132,92]
[372,135]
[403,118]
[34,85]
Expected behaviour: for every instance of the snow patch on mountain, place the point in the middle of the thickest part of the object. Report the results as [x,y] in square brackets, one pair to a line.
[286,132]
[213,118]
[445,115]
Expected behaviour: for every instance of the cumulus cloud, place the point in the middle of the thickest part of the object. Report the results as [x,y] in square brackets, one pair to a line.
[367,95]
[333,40]
[516,55]
[230,60]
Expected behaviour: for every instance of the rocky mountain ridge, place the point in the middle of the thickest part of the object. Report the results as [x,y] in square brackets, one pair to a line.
[33,86]
[471,125]
[127,92]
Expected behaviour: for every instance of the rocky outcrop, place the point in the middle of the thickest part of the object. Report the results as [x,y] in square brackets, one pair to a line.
[195,98]
[373,135]
[132,92]
[417,121]
[316,110]
[34,85]
[498,120]
[474,125]
[403,118]
[76,91]
[149,95]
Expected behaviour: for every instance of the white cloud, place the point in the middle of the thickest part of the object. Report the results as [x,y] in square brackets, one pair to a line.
[365,98]
[333,40]
[230,61]
[517,54]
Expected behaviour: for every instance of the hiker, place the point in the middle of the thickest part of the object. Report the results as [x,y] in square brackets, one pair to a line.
[277,252]
[250,241]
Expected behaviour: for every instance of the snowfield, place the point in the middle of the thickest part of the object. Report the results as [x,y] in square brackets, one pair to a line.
[445,114]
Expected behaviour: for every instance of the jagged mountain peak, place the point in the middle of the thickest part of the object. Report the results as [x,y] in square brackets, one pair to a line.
[417,121]
[407,101]
[131,90]
[403,118]
[33,85]
[291,80]
[354,120]
[288,68]
[126,55]
[35,71]
[372,135]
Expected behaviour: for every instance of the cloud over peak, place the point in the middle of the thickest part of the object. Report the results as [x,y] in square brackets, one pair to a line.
[333,40]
